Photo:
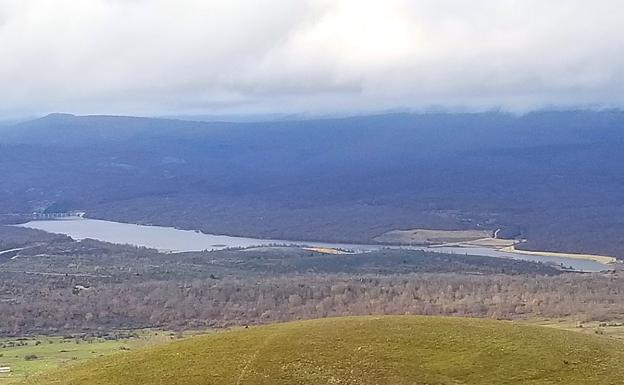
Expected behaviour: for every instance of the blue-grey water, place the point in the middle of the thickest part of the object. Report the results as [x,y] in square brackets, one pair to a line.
[169,239]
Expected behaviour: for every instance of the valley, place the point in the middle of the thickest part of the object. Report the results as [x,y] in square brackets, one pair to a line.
[267,229]
[276,192]
[167,239]
[552,178]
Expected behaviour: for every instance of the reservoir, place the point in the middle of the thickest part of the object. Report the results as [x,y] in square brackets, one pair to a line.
[169,239]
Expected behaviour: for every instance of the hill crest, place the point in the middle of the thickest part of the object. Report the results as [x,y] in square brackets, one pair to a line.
[393,350]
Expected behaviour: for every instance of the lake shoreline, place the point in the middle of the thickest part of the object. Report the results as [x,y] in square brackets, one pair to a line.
[604,259]
[173,240]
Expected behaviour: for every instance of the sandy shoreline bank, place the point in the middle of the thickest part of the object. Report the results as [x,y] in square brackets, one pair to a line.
[606,260]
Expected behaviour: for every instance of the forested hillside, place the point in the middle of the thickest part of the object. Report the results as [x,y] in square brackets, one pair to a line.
[556,178]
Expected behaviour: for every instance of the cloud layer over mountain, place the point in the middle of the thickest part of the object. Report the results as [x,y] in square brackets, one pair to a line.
[307,56]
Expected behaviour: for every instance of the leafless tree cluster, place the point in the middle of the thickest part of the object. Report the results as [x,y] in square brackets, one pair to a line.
[56,306]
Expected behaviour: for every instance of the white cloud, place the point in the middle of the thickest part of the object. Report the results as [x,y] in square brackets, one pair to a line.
[315,56]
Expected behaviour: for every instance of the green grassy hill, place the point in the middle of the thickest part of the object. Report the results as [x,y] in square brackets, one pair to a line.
[392,350]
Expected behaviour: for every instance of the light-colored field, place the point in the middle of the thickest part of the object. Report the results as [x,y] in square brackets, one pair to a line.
[612,329]
[597,258]
[48,353]
[431,237]
[494,243]
[395,350]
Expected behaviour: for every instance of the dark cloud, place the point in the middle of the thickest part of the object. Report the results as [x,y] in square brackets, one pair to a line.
[311,56]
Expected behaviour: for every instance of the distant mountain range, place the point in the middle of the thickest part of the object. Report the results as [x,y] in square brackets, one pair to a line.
[556,178]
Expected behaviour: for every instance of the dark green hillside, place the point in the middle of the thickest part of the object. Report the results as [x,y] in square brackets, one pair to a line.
[366,350]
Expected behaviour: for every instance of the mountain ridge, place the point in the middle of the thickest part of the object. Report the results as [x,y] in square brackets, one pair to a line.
[556,177]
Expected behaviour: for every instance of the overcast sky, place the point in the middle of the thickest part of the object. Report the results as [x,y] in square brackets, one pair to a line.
[157,57]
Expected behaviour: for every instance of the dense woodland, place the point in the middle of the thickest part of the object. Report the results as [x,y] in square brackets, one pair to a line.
[555,178]
[57,286]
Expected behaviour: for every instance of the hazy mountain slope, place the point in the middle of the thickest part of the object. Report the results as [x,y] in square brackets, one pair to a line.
[366,350]
[556,176]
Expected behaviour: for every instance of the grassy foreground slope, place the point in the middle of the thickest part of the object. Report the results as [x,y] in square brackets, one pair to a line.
[366,350]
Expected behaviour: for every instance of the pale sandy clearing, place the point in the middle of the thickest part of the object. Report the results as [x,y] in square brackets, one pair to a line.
[596,258]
